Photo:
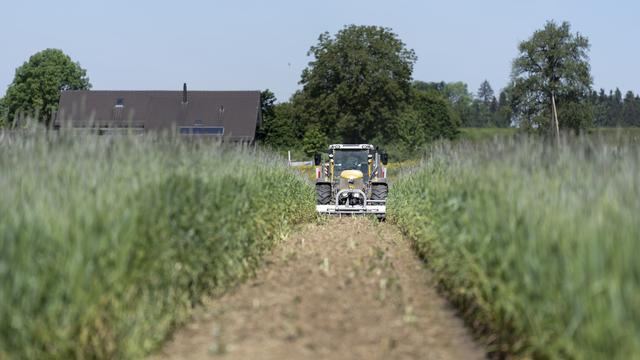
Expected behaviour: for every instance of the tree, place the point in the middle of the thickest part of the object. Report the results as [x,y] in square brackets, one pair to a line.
[3,113]
[429,117]
[461,99]
[615,107]
[631,110]
[281,130]
[552,65]
[504,113]
[493,105]
[481,115]
[636,119]
[423,86]
[267,103]
[485,93]
[267,108]
[575,116]
[357,83]
[36,87]
[436,116]
[456,93]
[314,141]
[613,110]
[600,104]
[484,107]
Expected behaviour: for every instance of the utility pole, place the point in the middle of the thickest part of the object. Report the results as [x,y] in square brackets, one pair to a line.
[556,127]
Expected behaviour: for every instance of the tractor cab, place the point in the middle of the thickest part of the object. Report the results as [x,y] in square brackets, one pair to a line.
[351,160]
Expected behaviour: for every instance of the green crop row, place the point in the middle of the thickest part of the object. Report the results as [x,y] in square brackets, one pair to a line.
[537,245]
[106,243]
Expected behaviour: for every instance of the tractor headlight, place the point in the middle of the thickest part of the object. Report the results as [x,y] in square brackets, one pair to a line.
[344,195]
[356,195]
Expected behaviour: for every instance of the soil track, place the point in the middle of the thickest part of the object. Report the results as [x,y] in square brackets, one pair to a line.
[346,289]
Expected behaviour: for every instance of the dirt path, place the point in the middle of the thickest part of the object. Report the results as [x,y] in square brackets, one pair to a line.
[346,289]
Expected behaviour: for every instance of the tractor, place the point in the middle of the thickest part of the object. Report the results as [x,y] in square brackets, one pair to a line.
[352,181]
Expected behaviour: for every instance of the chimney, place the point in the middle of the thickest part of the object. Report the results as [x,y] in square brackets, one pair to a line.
[184,94]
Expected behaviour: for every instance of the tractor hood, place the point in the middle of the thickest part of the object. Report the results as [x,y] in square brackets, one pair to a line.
[351,174]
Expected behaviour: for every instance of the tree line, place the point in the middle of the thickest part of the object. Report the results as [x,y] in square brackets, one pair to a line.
[359,87]
[484,109]
[613,109]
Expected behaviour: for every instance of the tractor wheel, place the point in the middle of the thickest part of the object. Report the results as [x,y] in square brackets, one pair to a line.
[379,192]
[323,194]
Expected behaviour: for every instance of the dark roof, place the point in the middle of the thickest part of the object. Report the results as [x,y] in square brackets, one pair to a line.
[237,111]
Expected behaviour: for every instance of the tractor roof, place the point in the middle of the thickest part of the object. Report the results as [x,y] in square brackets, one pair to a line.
[351,147]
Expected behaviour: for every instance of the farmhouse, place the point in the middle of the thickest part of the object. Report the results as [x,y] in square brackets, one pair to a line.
[232,115]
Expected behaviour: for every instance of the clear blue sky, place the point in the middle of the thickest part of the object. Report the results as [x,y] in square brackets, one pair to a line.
[245,45]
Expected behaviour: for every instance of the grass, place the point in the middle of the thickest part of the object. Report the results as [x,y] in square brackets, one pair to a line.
[307,171]
[537,246]
[612,134]
[483,134]
[106,243]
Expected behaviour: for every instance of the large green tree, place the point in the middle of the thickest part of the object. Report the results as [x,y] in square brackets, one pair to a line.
[36,87]
[553,63]
[358,81]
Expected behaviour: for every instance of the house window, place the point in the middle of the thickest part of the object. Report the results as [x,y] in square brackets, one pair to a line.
[197,130]
[119,102]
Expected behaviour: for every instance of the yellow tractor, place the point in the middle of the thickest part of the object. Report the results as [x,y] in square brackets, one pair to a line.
[352,181]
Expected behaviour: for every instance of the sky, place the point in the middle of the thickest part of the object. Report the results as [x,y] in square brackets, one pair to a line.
[255,45]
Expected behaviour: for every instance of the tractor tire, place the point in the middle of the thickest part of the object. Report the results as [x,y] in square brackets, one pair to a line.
[379,191]
[323,194]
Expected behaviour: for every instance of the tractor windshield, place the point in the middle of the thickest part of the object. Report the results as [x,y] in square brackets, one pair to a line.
[351,160]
